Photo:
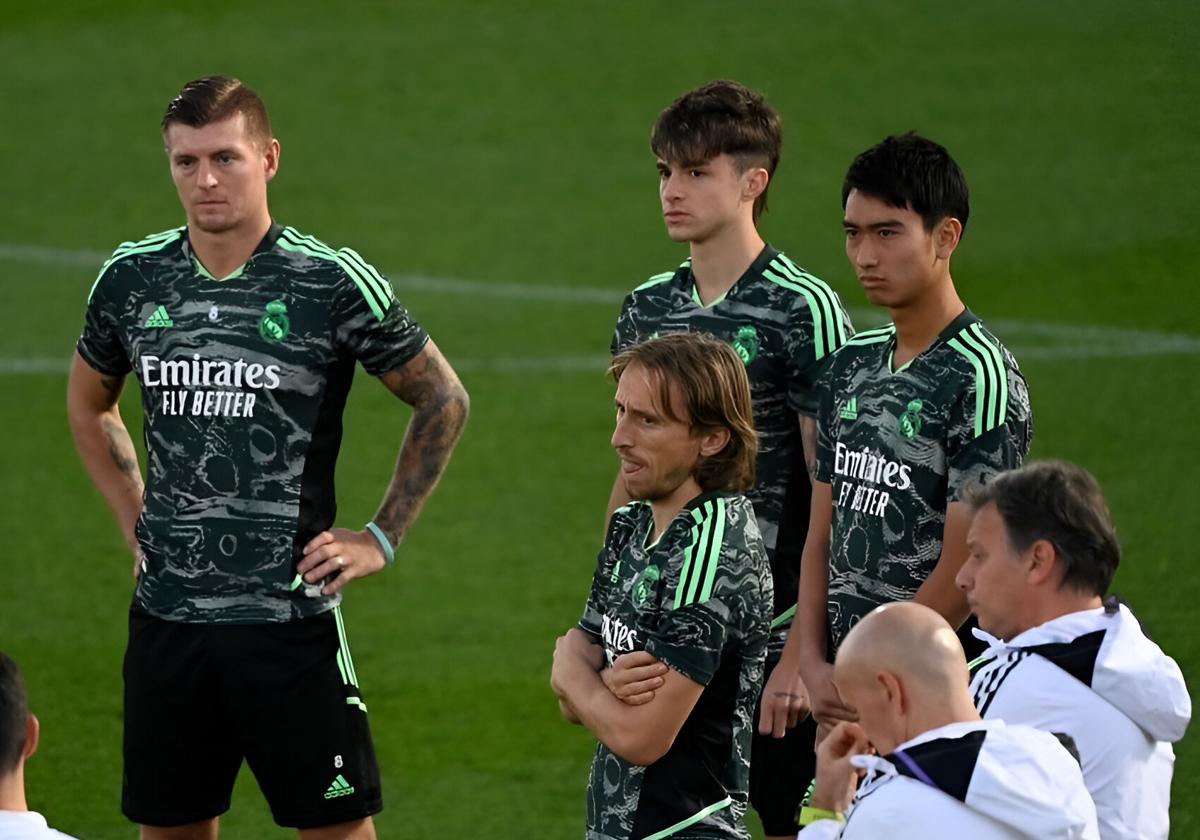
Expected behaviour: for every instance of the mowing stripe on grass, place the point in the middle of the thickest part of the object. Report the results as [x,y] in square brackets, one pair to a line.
[1026,339]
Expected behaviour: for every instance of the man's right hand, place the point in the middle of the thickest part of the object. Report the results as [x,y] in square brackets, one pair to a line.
[828,707]
[785,701]
[634,677]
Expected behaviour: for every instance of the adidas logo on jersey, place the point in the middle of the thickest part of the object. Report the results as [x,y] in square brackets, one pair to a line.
[159,318]
[339,787]
[850,409]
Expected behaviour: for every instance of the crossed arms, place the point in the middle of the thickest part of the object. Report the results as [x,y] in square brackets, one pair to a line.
[640,715]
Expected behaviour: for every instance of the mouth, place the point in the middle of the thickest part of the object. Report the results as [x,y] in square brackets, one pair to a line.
[631,468]
[675,216]
[871,280]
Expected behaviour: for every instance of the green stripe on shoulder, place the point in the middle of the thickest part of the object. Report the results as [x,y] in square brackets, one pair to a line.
[153,242]
[656,280]
[991,376]
[376,290]
[828,315]
[873,336]
[702,557]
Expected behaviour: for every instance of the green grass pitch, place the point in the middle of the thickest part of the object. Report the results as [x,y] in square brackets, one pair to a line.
[492,158]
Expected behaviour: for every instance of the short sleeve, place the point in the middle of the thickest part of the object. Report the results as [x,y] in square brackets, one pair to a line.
[826,426]
[818,327]
[989,432]
[624,334]
[614,542]
[717,598]
[372,326]
[101,344]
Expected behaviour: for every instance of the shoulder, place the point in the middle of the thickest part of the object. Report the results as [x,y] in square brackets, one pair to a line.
[903,807]
[986,373]
[128,253]
[862,346]
[722,548]
[625,520]
[656,281]
[354,273]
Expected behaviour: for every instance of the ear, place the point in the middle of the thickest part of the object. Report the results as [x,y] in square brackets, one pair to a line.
[713,441]
[754,183]
[1043,562]
[271,158]
[946,236]
[893,691]
[32,730]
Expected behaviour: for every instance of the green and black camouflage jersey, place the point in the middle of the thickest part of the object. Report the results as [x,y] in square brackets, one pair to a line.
[898,446]
[785,324]
[699,600]
[243,384]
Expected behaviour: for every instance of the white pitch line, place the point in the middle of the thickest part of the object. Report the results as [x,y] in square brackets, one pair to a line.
[58,366]
[1027,339]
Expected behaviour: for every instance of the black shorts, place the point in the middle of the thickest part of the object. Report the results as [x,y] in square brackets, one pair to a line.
[201,697]
[781,770]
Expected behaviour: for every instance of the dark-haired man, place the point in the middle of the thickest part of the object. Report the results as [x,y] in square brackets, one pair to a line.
[19,731]
[910,415]
[684,578]
[244,335]
[1042,554]
[717,148]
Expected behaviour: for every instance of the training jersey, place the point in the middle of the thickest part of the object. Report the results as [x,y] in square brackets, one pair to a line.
[976,780]
[699,599]
[898,446]
[243,383]
[1095,676]
[785,324]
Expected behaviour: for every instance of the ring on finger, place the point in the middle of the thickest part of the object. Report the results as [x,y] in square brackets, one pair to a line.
[341,561]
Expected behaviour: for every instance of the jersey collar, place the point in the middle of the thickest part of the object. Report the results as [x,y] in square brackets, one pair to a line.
[264,245]
[688,280]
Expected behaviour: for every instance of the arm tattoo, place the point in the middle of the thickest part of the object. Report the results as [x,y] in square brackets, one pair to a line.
[808,440]
[120,449]
[440,407]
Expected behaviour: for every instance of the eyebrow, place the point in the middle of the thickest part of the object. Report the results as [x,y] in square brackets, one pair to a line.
[887,223]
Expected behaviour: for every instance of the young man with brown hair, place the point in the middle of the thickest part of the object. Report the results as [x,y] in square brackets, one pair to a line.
[683,578]
[717,148]
[244,335]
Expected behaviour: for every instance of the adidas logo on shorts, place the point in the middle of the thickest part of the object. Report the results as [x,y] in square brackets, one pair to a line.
[339,787]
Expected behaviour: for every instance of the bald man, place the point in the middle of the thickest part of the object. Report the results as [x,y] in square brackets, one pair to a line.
[930,767]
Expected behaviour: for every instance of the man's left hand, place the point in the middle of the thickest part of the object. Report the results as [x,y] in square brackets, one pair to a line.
[340,556]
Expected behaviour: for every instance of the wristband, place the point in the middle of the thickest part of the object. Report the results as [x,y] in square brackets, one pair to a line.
[389,553]
[809,815]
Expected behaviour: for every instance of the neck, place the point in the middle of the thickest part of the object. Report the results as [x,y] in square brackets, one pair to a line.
[718,262]
[12,790]
[919,323]
[943,709]
[667,508]
[222,253]
[1063,603]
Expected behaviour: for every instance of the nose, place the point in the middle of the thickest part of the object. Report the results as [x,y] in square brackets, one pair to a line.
[620,435]
[965,579]
[863,254]
[672,187]
[206,178]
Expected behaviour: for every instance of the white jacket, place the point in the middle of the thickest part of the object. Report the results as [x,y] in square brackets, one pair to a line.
[982,780]
[27,825]
[1095,676]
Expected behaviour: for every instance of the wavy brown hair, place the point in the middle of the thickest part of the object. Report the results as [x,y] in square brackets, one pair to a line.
[715,391]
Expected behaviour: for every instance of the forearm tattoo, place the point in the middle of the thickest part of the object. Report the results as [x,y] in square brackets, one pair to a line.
[440,407]
[120,449]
